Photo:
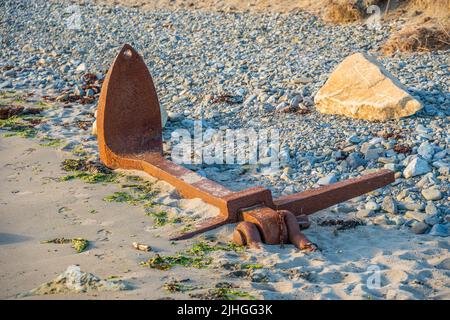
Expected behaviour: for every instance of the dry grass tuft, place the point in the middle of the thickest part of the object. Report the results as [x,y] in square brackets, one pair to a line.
[343,12]
[417,39]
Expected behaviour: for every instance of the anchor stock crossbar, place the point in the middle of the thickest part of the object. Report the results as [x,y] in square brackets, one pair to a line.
[130,137]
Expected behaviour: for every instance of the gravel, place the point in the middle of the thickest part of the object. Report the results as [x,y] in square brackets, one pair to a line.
[269,66]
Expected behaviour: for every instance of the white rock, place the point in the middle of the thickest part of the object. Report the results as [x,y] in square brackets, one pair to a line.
[81,68]
[416,167]
[426,150]
[372,205]
[361,88]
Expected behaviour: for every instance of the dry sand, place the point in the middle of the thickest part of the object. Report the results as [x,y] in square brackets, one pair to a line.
[35,205]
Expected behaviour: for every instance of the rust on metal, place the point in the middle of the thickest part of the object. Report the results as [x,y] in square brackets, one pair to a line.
[130,137]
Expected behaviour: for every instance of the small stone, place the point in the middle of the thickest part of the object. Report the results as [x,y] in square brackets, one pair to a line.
[390,166]
[344,208]
[398,220]
[373,154]
[354,160]
[419,216]
[440,230]
[354,139]
[250,99]
[62,97]
[364,213]
[444,264]
[267,107]
[413,206]
[389,205]
[432,220]
[6,84]
[431,208]
[329,179]
[282,107]
[381,220]
[94,128]
[426,150]
[421,129]
[372,205]
[9,73]
[90,93]
[175,116]
[432,194]
[295,102]
[416,167]
[419,227]
[81,68]
[78,91]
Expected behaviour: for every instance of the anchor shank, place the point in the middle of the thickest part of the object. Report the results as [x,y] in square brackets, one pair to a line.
[311,201]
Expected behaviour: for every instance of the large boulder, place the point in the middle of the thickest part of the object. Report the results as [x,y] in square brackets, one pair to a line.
[361,88]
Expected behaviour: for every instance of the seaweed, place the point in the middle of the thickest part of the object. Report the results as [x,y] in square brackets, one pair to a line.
[160,218]
[195,257]
[248,266]
[19,125]
[90,177]
[79,244]
[167,262]
[120,196]
[224,291]
[51,142]
[202,248]
[178,286]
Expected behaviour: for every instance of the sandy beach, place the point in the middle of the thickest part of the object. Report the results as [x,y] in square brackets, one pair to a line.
[36,205]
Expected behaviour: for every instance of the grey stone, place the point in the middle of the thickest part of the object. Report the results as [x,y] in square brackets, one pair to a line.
[6,84]
[329,179]
[90,93]
[414,206]
[390,166]
[354,139]
[432,194]
[9,73]
[432,220]
[78,91]
[444,264]
[421,129]
[364,213]
[426,150]
[419,227]
[372,154]
[431,208]
[440,230]
[419,216]
[381,220]
[389,205]
[354,160]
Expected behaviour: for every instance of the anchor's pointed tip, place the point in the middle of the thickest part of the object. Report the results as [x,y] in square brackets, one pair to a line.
[128,50]
[127,46]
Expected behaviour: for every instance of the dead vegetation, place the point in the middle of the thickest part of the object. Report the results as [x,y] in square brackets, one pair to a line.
[417,39]
[426,22]
[343,12]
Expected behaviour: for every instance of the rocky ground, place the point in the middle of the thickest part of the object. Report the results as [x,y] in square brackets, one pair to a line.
[269,66]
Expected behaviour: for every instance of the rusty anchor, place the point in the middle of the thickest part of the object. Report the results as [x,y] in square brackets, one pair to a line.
[130,137]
